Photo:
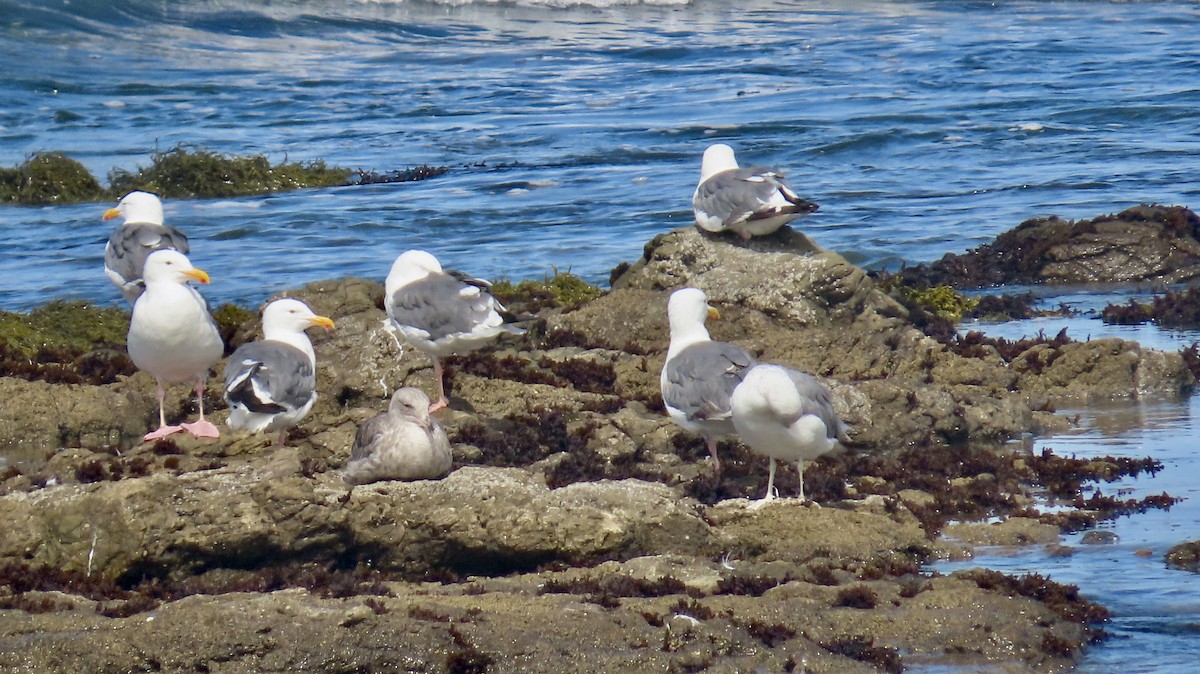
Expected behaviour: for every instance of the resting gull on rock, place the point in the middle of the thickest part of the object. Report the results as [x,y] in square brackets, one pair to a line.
[441,312]
[751,201]
[271,384]
[786,415]
[141,233]
[699,374]
[402,443]
[172,336]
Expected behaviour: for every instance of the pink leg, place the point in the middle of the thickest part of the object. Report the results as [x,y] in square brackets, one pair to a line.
[712,451]
[202,428]
[442,401]
[163,429]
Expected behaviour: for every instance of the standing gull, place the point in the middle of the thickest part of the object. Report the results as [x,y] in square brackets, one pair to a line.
[172,336]
[271,384]
[441,312]
[403,443]
[141,233]
[699,374]
[787,415]
[752,201]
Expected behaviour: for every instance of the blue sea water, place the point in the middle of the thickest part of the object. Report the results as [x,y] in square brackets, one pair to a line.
[573,132]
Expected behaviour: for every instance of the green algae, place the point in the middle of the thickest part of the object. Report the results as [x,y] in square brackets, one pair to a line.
[563,289]
[183,172]
[940,300]
[180,173]
[49,178]
[64,324]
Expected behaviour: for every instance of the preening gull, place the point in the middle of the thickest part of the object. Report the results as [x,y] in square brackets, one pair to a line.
[787,415]
[172,336]
[403,443]
[141,233]
[271,384]
[442,312]
[752,201]
[699,374]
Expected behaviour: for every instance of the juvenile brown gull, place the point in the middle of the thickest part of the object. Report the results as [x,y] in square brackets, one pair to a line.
[787,415]
[699,374]
[141,233]
[442,312]
[752,201]
[402,443]
[172,336]
[271,384]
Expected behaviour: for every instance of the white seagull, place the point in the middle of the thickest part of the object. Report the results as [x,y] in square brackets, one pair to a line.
[700,374]
[141,233]
[172,336]
[786,415]
[752,201]
[271,384]
[402,443]
[442,312]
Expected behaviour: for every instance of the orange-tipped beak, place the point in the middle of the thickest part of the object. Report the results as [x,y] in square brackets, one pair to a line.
[197,275]
[111,213]
[322,321]
[714,314]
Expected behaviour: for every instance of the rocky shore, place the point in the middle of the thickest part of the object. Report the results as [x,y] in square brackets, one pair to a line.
[580,530]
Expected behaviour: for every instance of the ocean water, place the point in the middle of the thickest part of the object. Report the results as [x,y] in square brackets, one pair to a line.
[573,134]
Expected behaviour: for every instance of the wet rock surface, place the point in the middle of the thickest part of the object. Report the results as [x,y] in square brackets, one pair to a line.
[1143,243]
[573,496]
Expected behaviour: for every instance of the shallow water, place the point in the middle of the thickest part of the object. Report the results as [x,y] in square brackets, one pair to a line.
[573,135]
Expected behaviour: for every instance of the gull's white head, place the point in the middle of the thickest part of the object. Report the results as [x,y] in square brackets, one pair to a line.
[686,311]
[410,266]
[289,317]
[137,207]
[717,158]
[171,266]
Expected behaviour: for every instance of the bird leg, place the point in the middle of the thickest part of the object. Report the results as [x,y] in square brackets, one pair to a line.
[163,429]
[711,442]
[770,481]
[442,401]
[202,428]
[800,467]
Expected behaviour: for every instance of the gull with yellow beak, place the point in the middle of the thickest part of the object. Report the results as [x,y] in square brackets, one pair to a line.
[172,336]
[700,374]
[271,384]
[142,232]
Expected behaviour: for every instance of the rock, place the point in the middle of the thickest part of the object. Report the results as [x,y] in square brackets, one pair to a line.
[1011,531]
[1185,556]
[1143,243]
[1096,537]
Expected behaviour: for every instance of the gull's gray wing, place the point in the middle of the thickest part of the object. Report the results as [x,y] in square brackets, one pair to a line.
[699,380]
[269,377]
[443,305]
[132,242]
[750,193]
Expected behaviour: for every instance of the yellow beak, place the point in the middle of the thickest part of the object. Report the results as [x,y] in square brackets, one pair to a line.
[111,213]
[714,314]
[322,321]
[197,275]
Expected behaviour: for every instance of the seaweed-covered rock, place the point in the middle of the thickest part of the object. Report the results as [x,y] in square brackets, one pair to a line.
[1185,556]
[49,178]
[1143,243]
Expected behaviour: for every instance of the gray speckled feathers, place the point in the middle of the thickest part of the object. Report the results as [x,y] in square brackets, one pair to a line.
[403,443]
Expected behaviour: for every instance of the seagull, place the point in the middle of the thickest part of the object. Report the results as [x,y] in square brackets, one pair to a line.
[785,414]
[141,233]
[172,336]
[403,443]
[753,201]
[271,384]
[442,312]
[700,374]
